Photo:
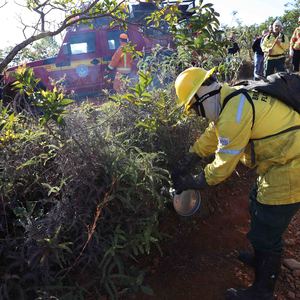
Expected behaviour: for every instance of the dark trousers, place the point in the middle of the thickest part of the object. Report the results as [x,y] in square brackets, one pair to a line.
[296,60]
[274,64]
[268,223]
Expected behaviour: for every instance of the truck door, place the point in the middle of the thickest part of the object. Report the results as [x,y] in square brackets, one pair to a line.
[79,63]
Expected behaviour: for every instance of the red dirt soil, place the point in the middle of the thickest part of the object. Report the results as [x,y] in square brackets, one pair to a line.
[199,259]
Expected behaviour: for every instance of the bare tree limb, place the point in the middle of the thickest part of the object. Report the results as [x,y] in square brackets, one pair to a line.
[2,5]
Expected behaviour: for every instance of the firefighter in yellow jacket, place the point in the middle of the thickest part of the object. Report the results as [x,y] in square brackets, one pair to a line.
[275,46]
[266,136]
[121,62]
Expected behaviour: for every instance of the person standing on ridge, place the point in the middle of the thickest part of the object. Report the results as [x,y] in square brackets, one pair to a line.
[275,45]
[258,56]
[264,134]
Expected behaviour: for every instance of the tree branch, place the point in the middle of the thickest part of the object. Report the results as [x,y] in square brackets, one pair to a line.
[68,21]
[2,5]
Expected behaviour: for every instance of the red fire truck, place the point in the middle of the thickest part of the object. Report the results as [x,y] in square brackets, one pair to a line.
[85,52]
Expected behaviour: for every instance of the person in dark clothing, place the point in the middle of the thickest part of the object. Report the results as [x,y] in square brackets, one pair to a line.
[258,56]
[234,47]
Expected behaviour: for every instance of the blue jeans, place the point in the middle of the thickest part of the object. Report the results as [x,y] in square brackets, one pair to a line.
[268,223]
[258,65]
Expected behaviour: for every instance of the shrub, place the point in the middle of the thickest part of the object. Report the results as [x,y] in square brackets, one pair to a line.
[79,203]
[82,194]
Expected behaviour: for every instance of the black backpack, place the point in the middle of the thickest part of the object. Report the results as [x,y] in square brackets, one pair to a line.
[282,86]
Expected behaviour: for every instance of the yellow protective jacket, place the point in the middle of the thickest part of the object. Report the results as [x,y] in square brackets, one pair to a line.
[278,51]
[295,39]
[277,158]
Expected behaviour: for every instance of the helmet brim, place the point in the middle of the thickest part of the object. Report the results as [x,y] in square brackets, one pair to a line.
[189,103]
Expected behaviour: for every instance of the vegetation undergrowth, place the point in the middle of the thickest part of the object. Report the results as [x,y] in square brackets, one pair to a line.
[83,188]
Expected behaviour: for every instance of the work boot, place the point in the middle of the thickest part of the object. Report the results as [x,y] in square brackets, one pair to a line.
[267,267]
[247,258]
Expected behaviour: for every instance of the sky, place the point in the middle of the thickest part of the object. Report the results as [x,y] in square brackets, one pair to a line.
[248,12]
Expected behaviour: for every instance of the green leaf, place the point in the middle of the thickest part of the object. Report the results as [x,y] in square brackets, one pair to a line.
[66,102]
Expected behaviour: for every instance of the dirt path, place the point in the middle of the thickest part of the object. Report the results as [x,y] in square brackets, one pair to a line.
[199,260]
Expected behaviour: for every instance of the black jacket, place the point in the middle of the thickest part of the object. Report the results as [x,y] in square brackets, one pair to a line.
[234,48]
[256,46]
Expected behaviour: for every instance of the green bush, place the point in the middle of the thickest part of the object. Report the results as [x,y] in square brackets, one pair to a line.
[83,190]
[80,205]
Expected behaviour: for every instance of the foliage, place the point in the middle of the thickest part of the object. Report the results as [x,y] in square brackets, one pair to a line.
[161,126]
[200,32]
[75,202]
[43,49]
[83,188]
[229,68]
[290,17]
[196,31]
[81,199]
[82,11]
[51,103]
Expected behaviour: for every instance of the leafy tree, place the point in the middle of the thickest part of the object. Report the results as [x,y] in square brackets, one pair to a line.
[47,47]
[290,17]
[3,3]
[74,13]
[199,33]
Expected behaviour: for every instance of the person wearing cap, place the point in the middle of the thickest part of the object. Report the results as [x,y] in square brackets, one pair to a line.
[274,46]
[121,62]
[264,136]
[295,47]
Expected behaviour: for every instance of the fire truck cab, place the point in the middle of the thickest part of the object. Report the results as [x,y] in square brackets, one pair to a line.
[85,54]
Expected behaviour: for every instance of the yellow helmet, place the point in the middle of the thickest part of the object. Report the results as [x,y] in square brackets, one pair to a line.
[187,84]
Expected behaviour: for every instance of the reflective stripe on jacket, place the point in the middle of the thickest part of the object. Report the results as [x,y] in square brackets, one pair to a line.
[121,61]
[277,158]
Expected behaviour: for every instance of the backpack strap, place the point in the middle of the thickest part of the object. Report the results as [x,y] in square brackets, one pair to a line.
[246,94]
[283,131]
